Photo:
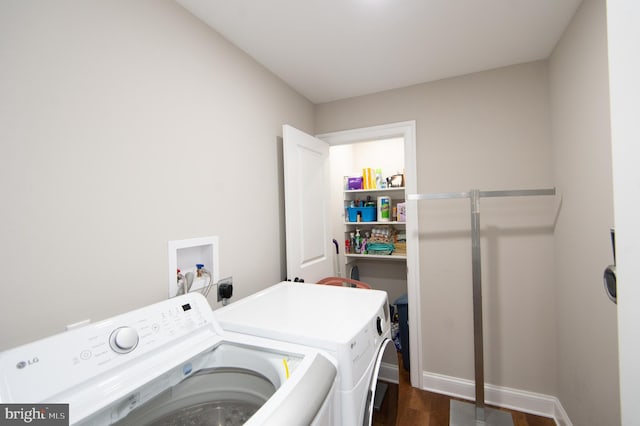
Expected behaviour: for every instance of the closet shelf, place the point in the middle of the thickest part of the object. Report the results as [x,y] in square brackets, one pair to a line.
[381,190]
[375,223]
[399,257]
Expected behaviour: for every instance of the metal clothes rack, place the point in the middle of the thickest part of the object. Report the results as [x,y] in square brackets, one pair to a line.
[463,413]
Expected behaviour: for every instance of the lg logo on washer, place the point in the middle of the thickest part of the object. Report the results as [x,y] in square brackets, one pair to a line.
[23,364]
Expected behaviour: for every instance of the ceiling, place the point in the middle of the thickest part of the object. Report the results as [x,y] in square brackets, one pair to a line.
[334,49]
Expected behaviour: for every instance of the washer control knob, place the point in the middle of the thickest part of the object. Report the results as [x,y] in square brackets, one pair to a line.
[379,325]
[124,340]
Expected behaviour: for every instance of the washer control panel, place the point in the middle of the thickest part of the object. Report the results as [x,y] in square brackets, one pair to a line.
[49,366]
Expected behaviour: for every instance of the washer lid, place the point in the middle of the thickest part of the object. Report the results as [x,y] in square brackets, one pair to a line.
[299,400]
[316,315]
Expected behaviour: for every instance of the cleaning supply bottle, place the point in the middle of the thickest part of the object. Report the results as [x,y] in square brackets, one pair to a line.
[379,179]
[358,242]
[353,243]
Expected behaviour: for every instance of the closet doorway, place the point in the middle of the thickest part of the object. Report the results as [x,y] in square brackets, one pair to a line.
[343,144]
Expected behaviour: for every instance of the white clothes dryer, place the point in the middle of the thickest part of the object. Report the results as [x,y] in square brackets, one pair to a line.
[352,325]
[170,363]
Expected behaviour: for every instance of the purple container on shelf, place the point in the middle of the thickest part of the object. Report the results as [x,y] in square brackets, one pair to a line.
[354,182]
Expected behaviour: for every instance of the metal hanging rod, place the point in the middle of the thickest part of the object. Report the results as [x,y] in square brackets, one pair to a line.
[483,194]
[462,413]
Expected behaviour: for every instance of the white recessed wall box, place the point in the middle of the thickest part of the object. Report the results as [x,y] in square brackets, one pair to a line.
[186,254]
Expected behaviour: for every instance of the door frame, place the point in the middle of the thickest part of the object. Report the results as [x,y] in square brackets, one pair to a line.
[407,131]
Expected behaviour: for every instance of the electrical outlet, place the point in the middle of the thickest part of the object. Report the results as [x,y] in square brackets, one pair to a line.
[225,288]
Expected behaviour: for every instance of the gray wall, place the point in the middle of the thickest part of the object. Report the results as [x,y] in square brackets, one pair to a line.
[124,125]
[588,384]
[488,130]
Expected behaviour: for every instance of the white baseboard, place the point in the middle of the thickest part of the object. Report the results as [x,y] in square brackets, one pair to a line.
[514,399]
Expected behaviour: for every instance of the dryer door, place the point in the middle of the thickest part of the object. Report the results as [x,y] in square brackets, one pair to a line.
[382,397]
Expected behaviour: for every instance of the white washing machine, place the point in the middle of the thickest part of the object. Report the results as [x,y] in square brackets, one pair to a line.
[170,363]
[351,324]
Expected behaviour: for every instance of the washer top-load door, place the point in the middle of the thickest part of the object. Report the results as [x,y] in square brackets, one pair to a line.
[382,397]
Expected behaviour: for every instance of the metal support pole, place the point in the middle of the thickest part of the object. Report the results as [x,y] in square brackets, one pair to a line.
[476,268]
[463,413]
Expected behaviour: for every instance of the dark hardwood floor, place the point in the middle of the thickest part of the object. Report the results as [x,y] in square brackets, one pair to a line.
[419,407]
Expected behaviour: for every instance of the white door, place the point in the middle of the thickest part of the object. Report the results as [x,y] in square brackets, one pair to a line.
[310,249]
[623,26]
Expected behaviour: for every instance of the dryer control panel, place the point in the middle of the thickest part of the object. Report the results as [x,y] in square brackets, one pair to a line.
[363,347]
[41,370]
